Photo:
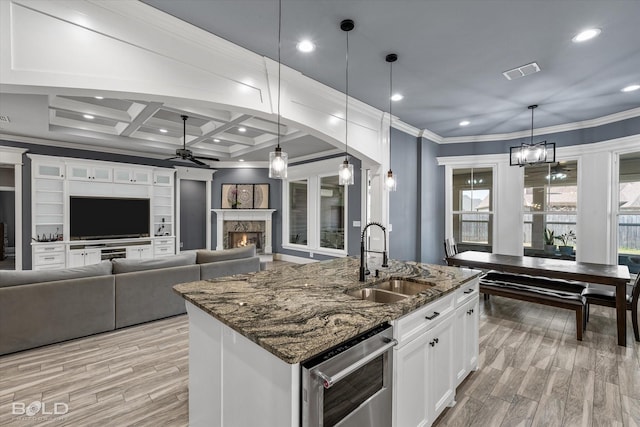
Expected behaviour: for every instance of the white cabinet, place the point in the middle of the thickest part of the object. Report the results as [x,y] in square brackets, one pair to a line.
[423,375]
[139,252]
[163,210]
[49,256]
[132,176]
[440,379]
[163,178]
[164,246]
[82,257]
[48,213]
[50,170]
[466,331]
[82,172]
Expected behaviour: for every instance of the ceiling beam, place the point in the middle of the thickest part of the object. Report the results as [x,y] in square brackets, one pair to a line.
[148,111]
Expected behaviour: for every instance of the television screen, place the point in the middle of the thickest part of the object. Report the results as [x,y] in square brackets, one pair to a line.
[108,218]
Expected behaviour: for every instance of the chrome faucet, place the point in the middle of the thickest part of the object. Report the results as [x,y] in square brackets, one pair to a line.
[363,270]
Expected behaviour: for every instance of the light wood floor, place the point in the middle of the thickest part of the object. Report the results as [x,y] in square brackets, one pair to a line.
[533,372]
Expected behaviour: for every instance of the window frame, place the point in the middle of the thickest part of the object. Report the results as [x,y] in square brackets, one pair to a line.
[615,199]
[313,172]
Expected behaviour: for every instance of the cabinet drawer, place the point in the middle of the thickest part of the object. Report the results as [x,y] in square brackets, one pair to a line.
[162,250]
[410,326]
[466,292]
[49,267]
[49,259]
[163,242]
[45,249]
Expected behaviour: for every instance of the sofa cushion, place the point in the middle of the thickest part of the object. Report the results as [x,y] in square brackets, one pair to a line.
[13,278]
[205,257]
[129,265]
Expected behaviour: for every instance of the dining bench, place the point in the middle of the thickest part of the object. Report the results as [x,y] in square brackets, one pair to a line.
[540,290]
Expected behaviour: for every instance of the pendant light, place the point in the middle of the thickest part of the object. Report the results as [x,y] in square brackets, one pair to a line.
[391,181]
[532,154]
[278,159]
[345,173]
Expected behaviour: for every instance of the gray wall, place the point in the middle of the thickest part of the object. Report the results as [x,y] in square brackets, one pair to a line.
[249,176]
[431,209]
[193,214]
[8,214]
[404,203]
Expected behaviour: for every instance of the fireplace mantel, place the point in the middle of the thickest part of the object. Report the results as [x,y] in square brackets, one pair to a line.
[223,215]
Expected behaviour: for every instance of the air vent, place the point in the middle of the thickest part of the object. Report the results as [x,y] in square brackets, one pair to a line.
[5,119]
[523,70]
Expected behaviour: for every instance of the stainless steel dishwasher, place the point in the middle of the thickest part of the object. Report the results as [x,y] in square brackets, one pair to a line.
[350,384]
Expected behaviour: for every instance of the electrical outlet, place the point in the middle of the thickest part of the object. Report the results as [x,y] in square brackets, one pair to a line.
[181,245]
[390,227]
[356,223]
[310,254]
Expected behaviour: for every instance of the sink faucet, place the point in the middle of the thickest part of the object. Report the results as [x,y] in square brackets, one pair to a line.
[362,249]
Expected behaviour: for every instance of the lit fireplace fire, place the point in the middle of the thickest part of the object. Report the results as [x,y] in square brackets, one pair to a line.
[238,239]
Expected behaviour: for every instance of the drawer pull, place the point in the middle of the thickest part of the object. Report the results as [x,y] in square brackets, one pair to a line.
[432,343]
[48,258]
[470,311]
[468,291]
[433,316]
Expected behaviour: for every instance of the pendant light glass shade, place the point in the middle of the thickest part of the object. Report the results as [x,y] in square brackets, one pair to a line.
[345,174]
[391,182]
[278,159]
[345,171]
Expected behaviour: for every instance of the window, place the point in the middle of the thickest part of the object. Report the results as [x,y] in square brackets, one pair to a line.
[473,208]
[315,209]
[331,213]
[629,212]
[298,210]
[550,203]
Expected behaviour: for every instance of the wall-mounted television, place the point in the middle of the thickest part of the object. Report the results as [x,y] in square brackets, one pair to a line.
[93,218]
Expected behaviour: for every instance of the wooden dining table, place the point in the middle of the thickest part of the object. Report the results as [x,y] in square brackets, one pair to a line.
[611,275]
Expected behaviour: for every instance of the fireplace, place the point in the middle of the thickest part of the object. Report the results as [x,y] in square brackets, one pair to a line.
[239,227]
[238,239]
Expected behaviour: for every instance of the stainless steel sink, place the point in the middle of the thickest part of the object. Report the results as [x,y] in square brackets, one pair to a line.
[377,295]
[404,287]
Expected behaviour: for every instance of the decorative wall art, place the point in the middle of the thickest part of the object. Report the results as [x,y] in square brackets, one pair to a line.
[245,196]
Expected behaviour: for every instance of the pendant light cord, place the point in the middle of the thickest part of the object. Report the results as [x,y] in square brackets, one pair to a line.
[346,111]
[279,63]
[390,115]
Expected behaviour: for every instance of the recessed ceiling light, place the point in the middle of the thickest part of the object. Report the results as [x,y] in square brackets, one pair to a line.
[241,129]
[164,130]
[216,140]
[586,35]
[397,97]
[306,46]
[464,123]
[241,160]
[630,88]
[99,97]
[88,116]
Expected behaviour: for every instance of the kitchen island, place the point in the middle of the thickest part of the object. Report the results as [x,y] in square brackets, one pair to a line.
[249,333]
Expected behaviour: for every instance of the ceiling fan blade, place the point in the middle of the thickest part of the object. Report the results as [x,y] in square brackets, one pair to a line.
[207,158]
[174,157]
[197,162]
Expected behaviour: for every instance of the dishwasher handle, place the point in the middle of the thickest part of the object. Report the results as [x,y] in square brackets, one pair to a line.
[329,381]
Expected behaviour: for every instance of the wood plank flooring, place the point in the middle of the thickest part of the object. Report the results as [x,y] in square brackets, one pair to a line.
[533,373]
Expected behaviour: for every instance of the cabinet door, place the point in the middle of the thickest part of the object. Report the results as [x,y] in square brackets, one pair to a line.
[141,177]
[471,339]
[101,174]
[76,258]
[133,252]
[122,175]
[146,252]
[78,172]
[460,358]
[163,178]
[49,170]
[440,375]
[410,384]
[92,256]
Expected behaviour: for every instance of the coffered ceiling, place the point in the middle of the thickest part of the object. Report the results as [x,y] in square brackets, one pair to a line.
[452,55]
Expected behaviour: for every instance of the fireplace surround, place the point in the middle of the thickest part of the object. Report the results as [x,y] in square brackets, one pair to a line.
[254,224]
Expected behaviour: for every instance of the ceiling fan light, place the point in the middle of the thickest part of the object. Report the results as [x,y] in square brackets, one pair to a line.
[278,162]
[345,173]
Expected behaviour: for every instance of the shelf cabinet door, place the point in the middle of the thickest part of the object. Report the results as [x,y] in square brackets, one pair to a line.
[163,178]
[49,170]
[132,176]
[76,258]
[410,392]
[440,365]
[79,172]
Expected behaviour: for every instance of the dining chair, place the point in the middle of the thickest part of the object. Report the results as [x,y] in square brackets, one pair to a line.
[450,247]
[607,298]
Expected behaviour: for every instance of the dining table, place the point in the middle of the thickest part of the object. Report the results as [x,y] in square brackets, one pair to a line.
[616,276]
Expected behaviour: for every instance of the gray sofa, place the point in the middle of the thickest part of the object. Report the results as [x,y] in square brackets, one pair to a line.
[45,307]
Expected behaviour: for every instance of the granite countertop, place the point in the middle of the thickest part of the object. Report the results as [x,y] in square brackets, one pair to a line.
[296,312]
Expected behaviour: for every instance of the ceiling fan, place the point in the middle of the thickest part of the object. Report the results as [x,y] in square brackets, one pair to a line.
[184,153]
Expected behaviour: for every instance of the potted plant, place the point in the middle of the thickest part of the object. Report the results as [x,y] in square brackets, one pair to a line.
[549,241]
[566,248]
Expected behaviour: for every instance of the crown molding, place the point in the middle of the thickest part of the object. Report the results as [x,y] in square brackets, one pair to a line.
[406,128]
[600,121]
[432,136]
